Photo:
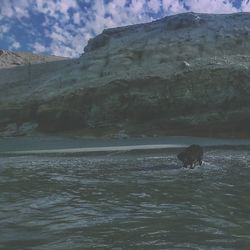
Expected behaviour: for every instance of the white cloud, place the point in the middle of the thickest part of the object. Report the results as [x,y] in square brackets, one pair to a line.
[173,6]
[77,18]
[39,48]
[154,5]
[51,7]
[136,6]
[15,45]
[117,13]
[21,7]
[6,9]
[69,34]
[56,9]
[15,8]
[66,5]
[58,28]
[211,6]
[245,6]
[4,28]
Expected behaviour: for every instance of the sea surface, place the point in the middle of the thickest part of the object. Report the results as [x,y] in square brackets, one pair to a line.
[125,201]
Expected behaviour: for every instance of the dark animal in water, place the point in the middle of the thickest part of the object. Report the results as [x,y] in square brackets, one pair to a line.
[191,155]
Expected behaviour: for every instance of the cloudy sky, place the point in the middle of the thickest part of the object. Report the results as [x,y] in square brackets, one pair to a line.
[63,27]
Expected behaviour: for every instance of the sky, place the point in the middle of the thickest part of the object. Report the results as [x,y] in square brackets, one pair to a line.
[63,27]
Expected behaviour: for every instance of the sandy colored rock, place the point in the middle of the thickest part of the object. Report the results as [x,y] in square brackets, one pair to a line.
[12,59]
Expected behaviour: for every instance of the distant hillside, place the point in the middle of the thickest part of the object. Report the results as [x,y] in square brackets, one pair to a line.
[12,59]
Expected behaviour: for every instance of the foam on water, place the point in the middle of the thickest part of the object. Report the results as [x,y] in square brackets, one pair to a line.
[125,202]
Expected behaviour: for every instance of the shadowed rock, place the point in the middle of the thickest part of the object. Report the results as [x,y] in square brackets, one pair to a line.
[187,74]
[191,155]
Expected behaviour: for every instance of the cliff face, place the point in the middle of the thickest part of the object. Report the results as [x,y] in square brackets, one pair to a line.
[184,74]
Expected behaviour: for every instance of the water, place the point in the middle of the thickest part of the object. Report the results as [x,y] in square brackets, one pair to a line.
[125,202]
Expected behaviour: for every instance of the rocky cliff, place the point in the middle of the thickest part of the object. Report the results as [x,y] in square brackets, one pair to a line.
[184,74]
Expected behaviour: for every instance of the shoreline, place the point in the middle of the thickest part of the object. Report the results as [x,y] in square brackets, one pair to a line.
[54,145]
[94,150]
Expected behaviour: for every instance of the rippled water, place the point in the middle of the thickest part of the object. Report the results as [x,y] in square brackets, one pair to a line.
[125,202]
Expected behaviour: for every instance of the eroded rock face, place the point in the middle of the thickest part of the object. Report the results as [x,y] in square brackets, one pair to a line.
[184,74]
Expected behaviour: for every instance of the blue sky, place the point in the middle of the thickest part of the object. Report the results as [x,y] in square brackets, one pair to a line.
[63,27]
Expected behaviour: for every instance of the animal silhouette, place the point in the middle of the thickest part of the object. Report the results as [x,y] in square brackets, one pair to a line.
[191,155]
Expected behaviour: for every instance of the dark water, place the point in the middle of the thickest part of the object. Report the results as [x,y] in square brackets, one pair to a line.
[125,202]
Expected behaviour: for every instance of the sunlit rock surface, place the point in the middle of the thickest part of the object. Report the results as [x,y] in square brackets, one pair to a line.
[12,59]
[185,74]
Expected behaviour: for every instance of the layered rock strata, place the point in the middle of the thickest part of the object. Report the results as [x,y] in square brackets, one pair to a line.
[183,74]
